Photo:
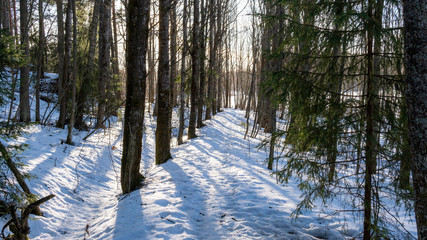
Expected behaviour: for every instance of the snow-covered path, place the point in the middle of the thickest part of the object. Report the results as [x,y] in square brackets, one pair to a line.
[84,179]
[215,187]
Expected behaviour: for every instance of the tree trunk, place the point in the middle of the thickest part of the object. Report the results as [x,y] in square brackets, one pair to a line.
[173,64]
[89,76]
[19,177]
[61,73]
[218,55]
[227,73]
[202,67]
[337,70]
[151,65]
[219,83]
[183,76]
[24,85]
[195,78]
[5,18]
[415,22]
[104,58]
[254,62]
[14,19]
[218,42]
[74,78]
[66,81]
[270,118]
[370,141]
[173,52]
[3,15]
[118,86]
[138,16]
[163,87]
[212,62]
[9,12]
[20,227]
[271,40]
[40,64]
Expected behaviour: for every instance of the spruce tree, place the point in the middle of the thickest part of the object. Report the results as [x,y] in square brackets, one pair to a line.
[342,85]
[415,16]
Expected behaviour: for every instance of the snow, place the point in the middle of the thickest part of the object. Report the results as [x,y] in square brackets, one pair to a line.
[215,187]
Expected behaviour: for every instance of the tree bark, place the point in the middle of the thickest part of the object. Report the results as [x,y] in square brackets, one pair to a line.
[89,76]
[24,84]
[227,72]
[19,177]
[270,108]
[5,16]
[337,70]
[151,65]
[138,16]
[415,22]
[74,78]
[104,58]
[67,63]
[254,63]
[118,86]
[212,62]
[15,22]
[183,75]
[370,141]
[271,40]
[61,84]
[173,52]
[195,77]
[40,64]
[218,41]
[163,87]
[202,66]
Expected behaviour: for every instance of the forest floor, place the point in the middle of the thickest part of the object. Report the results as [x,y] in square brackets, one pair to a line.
[215,187]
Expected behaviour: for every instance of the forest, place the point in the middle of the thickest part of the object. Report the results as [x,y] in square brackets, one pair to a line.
[213,119]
